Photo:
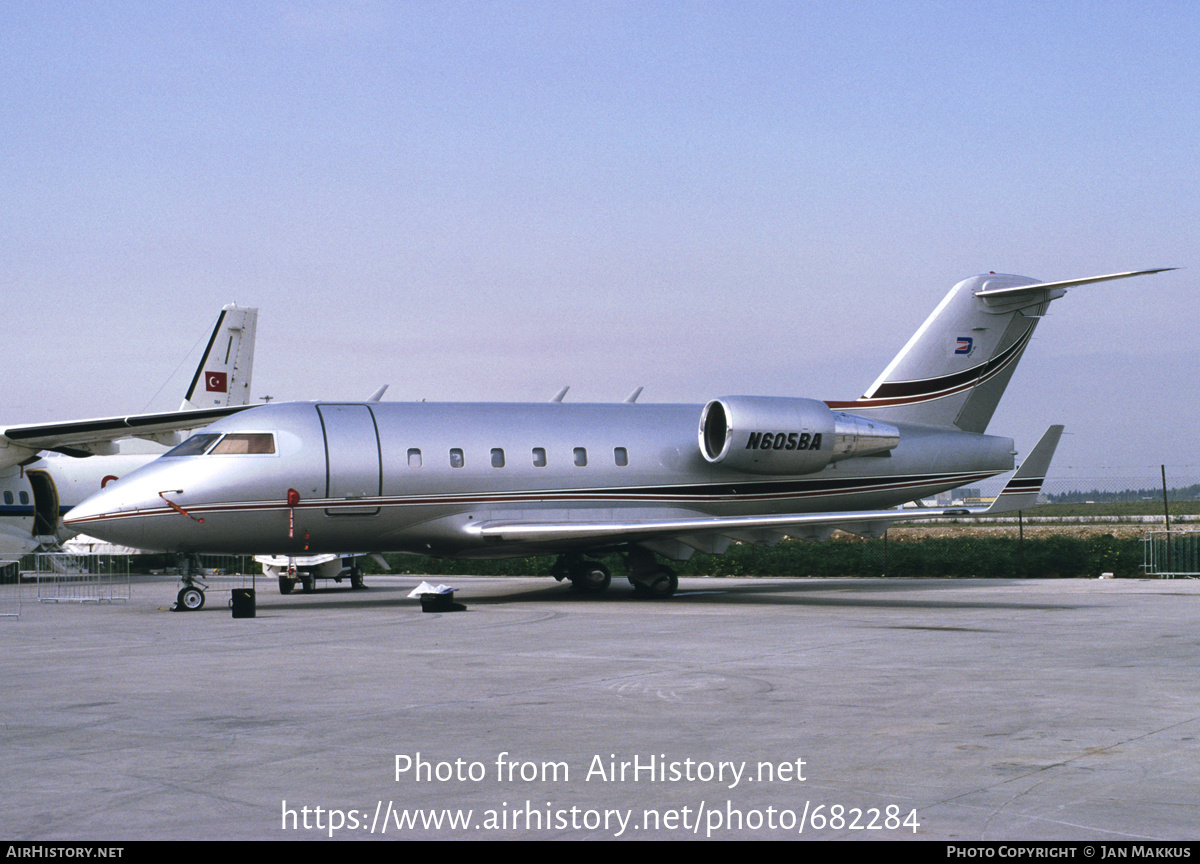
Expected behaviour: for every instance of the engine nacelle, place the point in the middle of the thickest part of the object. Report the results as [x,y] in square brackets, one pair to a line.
[779,435]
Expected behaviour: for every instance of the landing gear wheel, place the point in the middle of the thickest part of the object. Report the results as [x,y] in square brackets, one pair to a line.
[665,585]
[659,586]
[307,584]
[356,579]
[590,577]
[286,585]
[189,599]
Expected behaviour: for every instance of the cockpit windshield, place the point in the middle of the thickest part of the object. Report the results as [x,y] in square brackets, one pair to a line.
[233,443]
[193,446]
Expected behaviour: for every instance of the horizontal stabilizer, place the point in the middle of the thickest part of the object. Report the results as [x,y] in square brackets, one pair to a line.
[1066,283]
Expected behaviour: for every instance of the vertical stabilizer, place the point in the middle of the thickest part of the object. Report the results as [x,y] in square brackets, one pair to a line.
[223,376]
[954,369]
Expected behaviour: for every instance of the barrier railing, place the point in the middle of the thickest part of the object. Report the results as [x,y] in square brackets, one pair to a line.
[1172,554]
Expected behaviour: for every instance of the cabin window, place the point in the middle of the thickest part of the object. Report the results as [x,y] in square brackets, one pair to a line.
[245,442]
[24,497]
[580,457]
[456,458]
[8,499]
[497,457]
[621,457]
[414,457]
[539,457]
[193,446]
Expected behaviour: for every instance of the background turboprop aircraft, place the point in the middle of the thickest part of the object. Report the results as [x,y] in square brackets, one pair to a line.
[492,480]
[36,487]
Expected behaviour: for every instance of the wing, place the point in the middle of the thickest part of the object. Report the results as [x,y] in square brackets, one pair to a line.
[714,533]
[76,437]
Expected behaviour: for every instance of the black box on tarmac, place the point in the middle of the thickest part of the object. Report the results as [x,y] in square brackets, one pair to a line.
[243,602]
[440,603]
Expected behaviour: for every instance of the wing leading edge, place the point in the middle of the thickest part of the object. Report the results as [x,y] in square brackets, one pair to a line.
[76,434]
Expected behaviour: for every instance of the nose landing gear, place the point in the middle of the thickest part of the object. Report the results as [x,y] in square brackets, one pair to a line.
[189,599]
[191,596]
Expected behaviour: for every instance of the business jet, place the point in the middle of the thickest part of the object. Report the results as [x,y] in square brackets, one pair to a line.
[495,480]
[47,468]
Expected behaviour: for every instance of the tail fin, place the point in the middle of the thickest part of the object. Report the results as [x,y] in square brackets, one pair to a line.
[954,369]
[223,376]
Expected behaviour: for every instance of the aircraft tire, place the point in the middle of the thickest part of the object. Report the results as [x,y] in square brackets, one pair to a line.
[591,577]
[660,587]
[189,599]
[286,585]
[308,584]
[356,579]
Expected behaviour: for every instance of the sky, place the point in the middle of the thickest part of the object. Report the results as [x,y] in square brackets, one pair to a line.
[489,201]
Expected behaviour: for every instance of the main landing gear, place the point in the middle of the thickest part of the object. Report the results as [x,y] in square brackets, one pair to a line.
[648,578]
[586,576]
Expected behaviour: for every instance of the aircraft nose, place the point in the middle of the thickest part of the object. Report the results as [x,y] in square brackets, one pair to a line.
[96,505]
[101,516]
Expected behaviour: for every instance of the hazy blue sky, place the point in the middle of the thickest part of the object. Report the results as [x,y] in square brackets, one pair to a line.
[491,200]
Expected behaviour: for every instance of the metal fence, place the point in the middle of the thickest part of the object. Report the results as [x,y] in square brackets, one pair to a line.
[10,588]
[1172,554]
[64,577]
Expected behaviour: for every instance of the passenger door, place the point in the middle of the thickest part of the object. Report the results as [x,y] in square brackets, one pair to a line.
[352,458]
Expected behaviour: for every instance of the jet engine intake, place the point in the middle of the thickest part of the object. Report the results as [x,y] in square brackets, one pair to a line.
[779,435]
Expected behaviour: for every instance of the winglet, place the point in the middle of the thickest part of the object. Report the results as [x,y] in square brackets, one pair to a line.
[1022,490]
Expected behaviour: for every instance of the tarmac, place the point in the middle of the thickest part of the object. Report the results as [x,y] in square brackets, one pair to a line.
[836,709]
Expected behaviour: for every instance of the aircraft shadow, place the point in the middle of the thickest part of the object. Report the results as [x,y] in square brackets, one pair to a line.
[736,592]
